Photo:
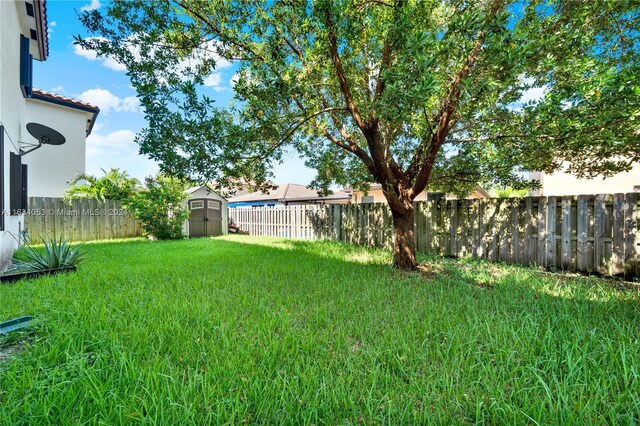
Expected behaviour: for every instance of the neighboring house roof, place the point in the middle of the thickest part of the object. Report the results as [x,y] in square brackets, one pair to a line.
[482,192]
[287,193]
[43,95]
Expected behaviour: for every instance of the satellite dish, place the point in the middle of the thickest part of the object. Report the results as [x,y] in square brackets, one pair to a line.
[45,136]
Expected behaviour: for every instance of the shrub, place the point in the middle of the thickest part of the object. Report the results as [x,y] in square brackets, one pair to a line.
[159,208]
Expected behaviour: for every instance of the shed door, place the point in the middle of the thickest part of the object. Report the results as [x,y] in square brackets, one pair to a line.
[214,216]
[196,218]
[205,219]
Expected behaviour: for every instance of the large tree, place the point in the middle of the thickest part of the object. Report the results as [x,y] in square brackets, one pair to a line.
[409,94]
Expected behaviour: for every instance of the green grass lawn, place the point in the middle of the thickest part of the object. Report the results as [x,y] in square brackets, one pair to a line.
[243,329]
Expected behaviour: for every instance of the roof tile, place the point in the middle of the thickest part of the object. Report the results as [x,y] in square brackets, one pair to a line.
[55,96]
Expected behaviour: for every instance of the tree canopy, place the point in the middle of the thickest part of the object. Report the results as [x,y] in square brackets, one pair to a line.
[409,94]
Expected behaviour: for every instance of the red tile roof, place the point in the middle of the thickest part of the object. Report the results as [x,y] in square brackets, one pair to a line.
[39,93]
[43,30]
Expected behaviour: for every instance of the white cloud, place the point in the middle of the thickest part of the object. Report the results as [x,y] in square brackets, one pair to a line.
[108,102]
[117,142]
[95,4]
[206,50]
[113,64]
[533,94]
[53,23]
[117,149]
[234,80]
[91,55]
[88,54]
[213,80]
[57,89]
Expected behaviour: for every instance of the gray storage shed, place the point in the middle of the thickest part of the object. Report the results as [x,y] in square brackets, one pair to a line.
[208,214]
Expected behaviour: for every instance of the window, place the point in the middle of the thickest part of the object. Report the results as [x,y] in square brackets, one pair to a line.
[26,67]
[197,204]
[367,199]
[17,185]
[213,205]
[29,7]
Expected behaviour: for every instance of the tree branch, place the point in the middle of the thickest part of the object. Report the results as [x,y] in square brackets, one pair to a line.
[218,32]
[354,149]
[340,73]
[292,129]
[422,174]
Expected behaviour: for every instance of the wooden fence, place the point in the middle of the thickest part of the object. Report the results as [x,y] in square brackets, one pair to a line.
[83,220]
[587,233]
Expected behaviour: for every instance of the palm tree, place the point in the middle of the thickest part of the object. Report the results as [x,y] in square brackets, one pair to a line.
[113,185]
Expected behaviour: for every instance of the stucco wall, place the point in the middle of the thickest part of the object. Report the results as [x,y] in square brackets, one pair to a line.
[51,167]
[12,113]
[559,184]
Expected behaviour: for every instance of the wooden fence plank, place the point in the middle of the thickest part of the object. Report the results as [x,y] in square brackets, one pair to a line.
[617,237]
[566,233]
[542,231]
[600,214]
[528,232]
[582,232]
[515,232]
[552,214]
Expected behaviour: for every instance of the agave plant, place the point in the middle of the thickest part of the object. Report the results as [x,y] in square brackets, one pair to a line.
[56,254]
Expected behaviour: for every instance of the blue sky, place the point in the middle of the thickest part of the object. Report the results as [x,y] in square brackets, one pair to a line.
[73,72]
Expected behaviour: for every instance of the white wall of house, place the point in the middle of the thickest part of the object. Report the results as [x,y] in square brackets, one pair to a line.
[560,183]
[49,167]
[52,167]
[12,115]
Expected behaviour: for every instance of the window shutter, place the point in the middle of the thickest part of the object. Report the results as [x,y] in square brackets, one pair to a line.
[15,184]
[24,196]
[26,66]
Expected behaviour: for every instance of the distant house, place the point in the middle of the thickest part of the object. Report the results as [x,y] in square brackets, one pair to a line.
[375,195]
[31,166]
[561,183]
[287,194]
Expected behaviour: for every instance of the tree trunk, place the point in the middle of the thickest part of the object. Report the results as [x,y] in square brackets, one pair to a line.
[404,248]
